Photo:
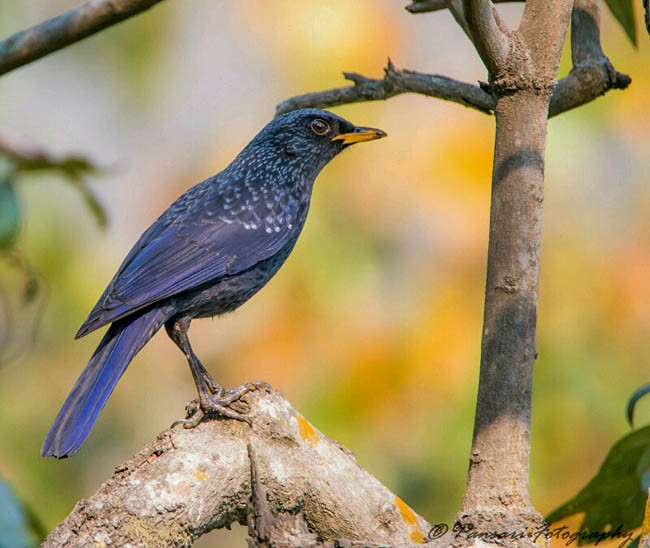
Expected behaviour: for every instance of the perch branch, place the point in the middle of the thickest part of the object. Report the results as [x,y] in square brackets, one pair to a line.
[592,74]
[395,82]
[65,29]
[188,482]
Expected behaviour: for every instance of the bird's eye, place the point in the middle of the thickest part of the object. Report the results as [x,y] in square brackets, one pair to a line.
[320,127]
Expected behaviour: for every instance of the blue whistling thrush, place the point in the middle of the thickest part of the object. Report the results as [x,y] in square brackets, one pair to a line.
[207,254]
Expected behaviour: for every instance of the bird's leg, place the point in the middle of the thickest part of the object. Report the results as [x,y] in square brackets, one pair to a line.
[213,398]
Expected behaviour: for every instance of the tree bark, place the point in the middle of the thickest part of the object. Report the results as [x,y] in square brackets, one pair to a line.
[65,29]
[498,474]
[522,81]
[188,482]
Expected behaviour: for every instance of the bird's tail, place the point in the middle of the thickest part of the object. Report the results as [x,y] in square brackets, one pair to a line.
[80,410]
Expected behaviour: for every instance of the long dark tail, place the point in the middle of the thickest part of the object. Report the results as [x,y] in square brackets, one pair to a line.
[122,342]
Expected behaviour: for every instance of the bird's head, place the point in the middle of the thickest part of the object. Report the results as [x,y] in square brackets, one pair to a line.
[313,136]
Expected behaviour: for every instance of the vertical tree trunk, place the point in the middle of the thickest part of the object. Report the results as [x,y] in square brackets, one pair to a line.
[498,474]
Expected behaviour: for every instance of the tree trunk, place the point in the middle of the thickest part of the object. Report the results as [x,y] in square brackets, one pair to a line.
[497,486]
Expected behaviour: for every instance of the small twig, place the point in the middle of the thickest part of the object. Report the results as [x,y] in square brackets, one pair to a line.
[65,29]
[394,83]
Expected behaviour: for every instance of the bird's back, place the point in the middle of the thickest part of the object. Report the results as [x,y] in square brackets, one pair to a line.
[219,228]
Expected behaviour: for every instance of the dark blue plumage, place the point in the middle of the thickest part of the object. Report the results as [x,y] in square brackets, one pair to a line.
[207,254]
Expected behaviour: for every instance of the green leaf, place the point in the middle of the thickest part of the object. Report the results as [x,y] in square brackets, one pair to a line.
[634,398]
[9,207]
[623,10]
[616,496]
[91,201]
[16,527]
[72,168]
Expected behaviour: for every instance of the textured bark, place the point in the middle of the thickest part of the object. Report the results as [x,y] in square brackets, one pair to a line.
[308,489]
[498,473]
[497,487]
[61,31]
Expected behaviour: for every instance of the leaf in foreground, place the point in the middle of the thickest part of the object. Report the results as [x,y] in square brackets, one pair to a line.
[18,528]
[617,495]
[623,11]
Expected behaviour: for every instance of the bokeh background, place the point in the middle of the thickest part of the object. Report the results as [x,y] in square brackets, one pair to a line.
[372,329]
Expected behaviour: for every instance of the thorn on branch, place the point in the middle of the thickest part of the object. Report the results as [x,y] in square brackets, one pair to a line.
[357,79]
[485,86]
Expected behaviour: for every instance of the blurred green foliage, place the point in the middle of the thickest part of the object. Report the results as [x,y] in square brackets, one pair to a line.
[19,528]
[9,208]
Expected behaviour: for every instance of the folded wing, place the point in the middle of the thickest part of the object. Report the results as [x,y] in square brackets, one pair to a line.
[189,247]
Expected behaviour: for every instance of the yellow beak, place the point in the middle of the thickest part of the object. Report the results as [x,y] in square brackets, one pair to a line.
[359,135]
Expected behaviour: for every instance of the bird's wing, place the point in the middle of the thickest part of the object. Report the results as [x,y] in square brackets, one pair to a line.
[185,250]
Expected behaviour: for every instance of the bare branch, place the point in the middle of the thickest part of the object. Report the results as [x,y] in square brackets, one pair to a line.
[65,29]
[488,34]
[188,482]
[584,84]
[585,33]
[425,6]
[592,74]
[394,83]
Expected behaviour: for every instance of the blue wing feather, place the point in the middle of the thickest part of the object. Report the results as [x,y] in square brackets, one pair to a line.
[191,244]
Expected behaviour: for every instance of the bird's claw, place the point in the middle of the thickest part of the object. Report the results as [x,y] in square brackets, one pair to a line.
[218,403]
[213,387]
[193,415]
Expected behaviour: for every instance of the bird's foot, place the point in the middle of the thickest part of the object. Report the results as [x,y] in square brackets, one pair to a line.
[217,403]
[214,387]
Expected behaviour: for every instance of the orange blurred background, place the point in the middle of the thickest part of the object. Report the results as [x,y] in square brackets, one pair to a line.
[372,328]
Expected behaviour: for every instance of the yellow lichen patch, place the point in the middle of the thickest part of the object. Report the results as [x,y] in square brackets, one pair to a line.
[307,431]
[200,475]
[411,521]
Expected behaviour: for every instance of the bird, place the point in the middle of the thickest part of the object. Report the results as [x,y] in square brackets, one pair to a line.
[214,247]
